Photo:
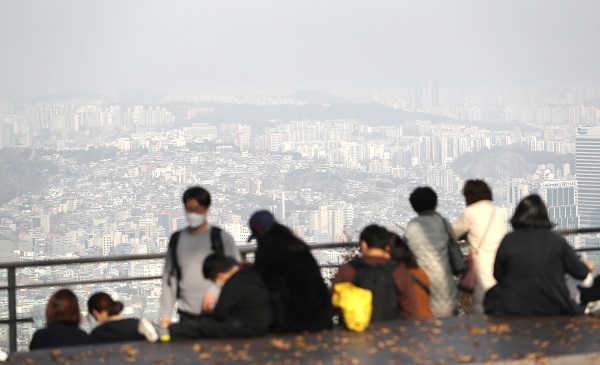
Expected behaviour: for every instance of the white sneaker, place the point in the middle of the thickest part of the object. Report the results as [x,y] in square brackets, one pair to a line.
[147,329]
[593,308]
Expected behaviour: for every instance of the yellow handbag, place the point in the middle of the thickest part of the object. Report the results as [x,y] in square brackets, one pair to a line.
[356,305]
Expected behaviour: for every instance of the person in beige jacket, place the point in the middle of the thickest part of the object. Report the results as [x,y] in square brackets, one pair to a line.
[484,226]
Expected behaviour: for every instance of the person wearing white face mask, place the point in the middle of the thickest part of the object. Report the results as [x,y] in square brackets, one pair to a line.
[183,280]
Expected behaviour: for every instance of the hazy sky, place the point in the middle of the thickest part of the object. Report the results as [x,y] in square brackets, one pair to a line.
[169,45]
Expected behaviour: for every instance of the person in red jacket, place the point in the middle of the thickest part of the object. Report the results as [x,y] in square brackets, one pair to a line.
[402,254]
[375,248]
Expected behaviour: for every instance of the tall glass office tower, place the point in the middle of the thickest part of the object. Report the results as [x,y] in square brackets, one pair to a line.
[587,171]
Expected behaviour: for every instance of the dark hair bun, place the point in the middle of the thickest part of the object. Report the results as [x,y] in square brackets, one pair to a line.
[115,308]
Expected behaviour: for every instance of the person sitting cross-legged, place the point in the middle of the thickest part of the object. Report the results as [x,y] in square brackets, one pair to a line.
[243,308]
[394,294]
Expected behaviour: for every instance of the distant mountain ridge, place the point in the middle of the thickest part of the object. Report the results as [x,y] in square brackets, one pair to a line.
[506,163]
[263,115]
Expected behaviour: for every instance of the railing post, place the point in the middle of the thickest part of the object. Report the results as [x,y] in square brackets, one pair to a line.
[12,308]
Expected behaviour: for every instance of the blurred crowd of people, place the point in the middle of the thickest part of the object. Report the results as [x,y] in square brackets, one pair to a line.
[409,275]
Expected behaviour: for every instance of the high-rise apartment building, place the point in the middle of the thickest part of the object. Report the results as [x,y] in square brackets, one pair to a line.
[561,199]
[328,224]
[560,196]
[587,172]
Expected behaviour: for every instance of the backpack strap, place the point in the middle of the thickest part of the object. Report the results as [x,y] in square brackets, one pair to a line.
[175,268]
[447,228]
[216,244]
[357,264]
[388,267]
[216,241]
[421,284]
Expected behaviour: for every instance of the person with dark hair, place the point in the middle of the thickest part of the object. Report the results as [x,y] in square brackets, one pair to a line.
[427,236]
[243,308]
[484,226]
[423,199]
[394,290]
[113,327]
[530,267]
[299,298]
[531,213]
[402,254]
[182,280]
[62,323]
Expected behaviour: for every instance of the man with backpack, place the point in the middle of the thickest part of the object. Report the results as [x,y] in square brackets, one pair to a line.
[183,280]
[390,283]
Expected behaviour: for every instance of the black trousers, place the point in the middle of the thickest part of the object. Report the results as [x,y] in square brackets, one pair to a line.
[208,327]
[185,316]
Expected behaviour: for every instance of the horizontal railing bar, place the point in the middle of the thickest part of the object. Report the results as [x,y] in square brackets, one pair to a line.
[83,260]
[587,249]
[564,232]
[244,249]
[92,260]
[322,246]
[86,282]
[18,320]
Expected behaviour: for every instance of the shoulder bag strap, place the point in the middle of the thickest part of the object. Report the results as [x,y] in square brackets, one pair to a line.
[487,229]
[450,236]
[421,284]
[175,268]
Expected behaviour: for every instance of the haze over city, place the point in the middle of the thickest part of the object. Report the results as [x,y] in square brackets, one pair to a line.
[110,46]
[326,113]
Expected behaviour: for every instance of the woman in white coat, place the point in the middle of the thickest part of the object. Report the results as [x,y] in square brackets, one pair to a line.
[484,226]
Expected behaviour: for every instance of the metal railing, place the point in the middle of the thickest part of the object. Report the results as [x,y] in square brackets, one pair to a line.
[12,287]
[12,267]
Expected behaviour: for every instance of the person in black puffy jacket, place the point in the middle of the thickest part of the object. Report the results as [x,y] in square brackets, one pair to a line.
[299,297]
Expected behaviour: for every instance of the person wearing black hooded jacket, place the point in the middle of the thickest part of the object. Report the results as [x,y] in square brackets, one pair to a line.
[299,297]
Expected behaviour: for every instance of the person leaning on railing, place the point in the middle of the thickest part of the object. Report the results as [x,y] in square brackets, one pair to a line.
[484,227]
[427,236]
[531,264]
